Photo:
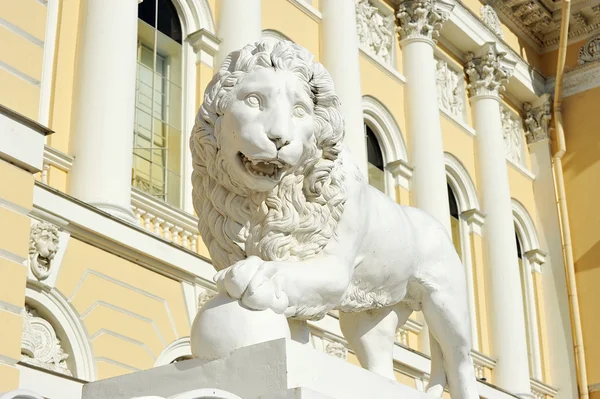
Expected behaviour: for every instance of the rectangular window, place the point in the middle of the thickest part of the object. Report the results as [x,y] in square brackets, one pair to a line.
[158,113]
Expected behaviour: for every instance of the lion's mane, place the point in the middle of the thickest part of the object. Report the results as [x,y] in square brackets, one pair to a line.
[299,216]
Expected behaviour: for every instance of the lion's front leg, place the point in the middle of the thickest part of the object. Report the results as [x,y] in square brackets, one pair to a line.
[306,288]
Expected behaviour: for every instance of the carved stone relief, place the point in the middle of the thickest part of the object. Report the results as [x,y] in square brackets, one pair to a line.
[40,346]
[449,90]
[375,30]
[537,121]
[491,20]
[590,51]
[421,18]
[43,245]
[489,73]
[512,130]
[337,349]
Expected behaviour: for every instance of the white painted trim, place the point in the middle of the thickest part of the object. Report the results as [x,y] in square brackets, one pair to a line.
[466,197]
[178,348]
[525,227]
[387,69]
[58,159]
[542,387]
[528,237]
[389,135]
[460,124]
[47,79]
[461,182]
[65,317]
[307,9]
[521,169]
[120,237]
[401,171]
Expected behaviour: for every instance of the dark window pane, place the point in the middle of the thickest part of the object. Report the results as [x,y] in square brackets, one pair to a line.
[374,154]
[168,20]
[519,251]
[147,11]
[453,203]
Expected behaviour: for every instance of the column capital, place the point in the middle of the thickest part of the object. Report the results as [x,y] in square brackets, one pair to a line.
[536,118]
[421,19]
[488,71]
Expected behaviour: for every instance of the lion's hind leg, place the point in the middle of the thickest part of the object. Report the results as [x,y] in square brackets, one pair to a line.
[371,335]
[447,324]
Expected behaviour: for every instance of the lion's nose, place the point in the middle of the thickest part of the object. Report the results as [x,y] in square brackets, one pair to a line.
[278,136]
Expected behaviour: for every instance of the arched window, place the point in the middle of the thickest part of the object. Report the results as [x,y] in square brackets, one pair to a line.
[157,158]
[375,159]
[530,260]
[464,221]
[455,222]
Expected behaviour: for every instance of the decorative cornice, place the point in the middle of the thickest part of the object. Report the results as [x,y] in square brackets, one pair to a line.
[421,18]
[540,25]
[578,79]
[488,71]
[537,119]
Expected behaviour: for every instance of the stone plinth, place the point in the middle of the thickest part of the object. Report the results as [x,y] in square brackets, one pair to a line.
[274,369]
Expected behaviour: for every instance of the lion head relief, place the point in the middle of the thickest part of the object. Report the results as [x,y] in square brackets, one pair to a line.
[266,149]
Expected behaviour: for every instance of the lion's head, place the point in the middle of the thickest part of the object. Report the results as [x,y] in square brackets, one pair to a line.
[43,246]
[266,152]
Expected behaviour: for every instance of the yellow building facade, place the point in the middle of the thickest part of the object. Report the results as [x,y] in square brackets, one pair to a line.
[102,268]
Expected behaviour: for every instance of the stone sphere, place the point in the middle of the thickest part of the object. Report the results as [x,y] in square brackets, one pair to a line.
[224,324]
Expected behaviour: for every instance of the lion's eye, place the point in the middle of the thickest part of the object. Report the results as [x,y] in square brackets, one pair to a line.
[299,111]
[252,100]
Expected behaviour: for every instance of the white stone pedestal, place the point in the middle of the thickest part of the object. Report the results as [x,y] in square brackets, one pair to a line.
[271,370]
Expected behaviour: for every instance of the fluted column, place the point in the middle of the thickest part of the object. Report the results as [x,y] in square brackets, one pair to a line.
[419,23]
[105,105]
[488,74]
[339,54]
[239,24]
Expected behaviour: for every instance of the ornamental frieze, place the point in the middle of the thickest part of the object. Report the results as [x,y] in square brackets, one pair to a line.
[375,31]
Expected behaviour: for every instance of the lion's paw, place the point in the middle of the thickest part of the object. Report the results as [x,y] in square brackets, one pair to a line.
[255,282]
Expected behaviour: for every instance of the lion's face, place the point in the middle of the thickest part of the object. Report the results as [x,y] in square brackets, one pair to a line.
[266,128]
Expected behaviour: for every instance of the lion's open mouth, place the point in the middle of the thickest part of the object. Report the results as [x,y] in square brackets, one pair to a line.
[264,168]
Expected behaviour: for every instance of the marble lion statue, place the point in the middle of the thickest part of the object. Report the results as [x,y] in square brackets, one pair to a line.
[292,225]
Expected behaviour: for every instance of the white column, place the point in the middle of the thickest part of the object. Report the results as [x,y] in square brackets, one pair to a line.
[105,104]
[418,26]
[555,299]
[239,24]
[488,73]
[339,55]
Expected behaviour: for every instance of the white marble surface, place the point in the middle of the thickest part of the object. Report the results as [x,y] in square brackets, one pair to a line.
[274,369]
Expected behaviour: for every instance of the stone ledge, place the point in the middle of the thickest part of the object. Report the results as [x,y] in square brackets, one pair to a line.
[274,369]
